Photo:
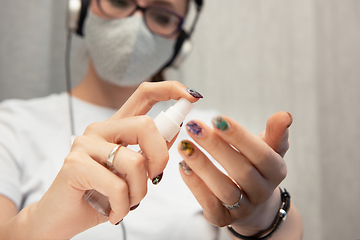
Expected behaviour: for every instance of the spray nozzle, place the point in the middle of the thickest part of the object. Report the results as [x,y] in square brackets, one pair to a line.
[168,123]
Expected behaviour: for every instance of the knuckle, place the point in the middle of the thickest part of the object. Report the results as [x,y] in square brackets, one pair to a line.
[175,84]
[282,171]
[143,86]
[213,145]
[165,157]
[230,194]
[80,141]
[265,153]
[147,121]
[93,127]
[74,164]
[247,172]
[120,187]
[138,161]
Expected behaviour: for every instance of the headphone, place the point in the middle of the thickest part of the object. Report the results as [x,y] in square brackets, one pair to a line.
[77,12]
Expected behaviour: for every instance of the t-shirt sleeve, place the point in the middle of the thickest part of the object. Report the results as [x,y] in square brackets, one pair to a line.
[10,151]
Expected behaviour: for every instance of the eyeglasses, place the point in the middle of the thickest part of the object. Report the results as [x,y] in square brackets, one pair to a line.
[159,20]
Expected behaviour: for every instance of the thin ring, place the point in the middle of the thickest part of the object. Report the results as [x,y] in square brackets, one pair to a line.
[111,156]
[235,205]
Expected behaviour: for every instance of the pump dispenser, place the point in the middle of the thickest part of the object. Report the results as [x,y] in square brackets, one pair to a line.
[168,123]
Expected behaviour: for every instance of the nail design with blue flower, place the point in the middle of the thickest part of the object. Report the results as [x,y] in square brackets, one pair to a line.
[194,128]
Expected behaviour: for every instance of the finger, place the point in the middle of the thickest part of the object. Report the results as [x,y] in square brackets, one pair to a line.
[135,130]
[264,158]
[235,164]
[221,185]
[209,202]
[128,164]
[145,97]
[277,133]
[92,175]
[213,210]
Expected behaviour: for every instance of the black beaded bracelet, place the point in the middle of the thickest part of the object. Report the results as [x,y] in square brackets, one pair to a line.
[281,216]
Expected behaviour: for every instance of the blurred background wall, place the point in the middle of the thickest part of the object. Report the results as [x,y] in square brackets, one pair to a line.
[252,58]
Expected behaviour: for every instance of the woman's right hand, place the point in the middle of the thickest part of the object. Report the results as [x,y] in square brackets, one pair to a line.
[63,206]
[63,212]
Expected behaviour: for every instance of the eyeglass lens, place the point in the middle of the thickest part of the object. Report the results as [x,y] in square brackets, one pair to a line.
[159,20]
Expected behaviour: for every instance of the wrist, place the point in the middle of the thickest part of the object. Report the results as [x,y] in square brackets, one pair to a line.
[19,227]
[265,233]
[262,219]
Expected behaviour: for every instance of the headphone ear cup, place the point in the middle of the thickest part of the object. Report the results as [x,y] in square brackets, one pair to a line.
[183,47]
[76,15]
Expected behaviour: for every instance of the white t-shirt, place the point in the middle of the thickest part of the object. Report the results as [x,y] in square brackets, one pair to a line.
[35,139]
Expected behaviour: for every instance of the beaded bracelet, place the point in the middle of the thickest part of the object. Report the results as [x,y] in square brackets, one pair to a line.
[281,216]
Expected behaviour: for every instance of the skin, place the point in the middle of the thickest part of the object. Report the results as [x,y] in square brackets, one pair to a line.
[259,168]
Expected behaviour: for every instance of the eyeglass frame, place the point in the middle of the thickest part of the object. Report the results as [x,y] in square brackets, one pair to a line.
[143,10]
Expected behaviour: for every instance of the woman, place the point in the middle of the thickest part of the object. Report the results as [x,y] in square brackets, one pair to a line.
[125,52]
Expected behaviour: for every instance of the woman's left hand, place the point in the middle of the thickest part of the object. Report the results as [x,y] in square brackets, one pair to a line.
[253,163]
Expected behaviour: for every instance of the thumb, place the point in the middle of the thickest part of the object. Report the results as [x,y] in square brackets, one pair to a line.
[276,134]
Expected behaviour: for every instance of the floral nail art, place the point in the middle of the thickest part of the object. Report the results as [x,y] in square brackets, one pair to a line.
[220,123]
[187,148]
[194,93]
[157,179]
[187,170]
[195,128]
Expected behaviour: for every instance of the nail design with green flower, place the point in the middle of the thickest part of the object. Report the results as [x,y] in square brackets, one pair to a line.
[220,123]
[187,148]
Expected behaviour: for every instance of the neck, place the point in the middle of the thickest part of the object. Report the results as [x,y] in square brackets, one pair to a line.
[96,91]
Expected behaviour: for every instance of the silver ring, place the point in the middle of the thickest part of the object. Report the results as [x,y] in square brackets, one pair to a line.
[111,156]
[235,205]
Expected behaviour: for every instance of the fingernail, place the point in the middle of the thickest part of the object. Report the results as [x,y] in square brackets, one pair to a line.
[157,179]
[194,93]
[187,170]
[181,124]
[291,119]
[118,222]
[187,148]
[220,123]
[195,128]
[134,207]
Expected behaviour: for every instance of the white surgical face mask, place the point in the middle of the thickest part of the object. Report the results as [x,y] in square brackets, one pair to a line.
[124,51]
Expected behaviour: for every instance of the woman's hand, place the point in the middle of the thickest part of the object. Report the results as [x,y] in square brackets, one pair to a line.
[254,164]
[63,212]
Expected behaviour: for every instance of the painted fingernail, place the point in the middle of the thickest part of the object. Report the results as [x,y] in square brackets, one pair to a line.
[194,93]
[157,179]
[291,119]
[195,128]
[220,123]
[181,124]
[134,207]
[187,148]
[118,222]
[187,170]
